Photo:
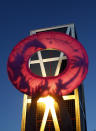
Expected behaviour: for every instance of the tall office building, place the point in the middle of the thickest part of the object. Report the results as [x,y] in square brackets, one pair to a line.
[44,114]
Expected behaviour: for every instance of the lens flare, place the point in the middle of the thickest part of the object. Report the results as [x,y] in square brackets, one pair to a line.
[49,102]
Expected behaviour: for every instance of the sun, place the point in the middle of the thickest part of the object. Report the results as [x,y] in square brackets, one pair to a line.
[49,102]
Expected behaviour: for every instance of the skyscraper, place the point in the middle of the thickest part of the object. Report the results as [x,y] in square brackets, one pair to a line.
[47,114]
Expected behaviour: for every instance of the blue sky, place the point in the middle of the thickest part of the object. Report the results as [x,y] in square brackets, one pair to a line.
[17,18]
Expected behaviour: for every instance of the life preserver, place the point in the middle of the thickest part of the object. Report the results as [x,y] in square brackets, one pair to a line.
[31,84]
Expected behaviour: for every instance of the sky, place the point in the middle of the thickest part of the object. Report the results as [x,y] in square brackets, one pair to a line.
[17,18]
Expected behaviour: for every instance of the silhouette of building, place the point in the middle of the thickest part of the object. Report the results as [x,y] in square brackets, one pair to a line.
[50,63]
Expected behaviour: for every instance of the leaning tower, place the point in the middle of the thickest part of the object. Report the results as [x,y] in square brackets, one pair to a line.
[51,63]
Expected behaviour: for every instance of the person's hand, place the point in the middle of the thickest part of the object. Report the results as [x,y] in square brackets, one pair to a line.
[40,94]
[36,97]
[57,98]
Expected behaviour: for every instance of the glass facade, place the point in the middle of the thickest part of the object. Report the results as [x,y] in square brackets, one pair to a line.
[73,103]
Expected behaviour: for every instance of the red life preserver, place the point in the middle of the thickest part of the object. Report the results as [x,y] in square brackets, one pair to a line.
[31,84]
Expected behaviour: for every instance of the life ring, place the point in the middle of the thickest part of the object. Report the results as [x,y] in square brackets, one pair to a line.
[31,84]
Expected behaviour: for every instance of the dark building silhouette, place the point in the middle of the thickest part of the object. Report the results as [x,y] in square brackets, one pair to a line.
[37,115]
